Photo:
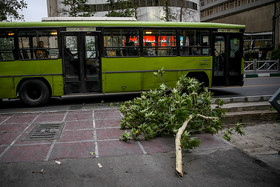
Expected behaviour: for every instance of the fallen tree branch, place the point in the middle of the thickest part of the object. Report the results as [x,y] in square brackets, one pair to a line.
[179,167]
[178,148]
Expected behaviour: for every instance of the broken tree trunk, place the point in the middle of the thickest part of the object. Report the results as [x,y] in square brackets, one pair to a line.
[179,160]
[179,167]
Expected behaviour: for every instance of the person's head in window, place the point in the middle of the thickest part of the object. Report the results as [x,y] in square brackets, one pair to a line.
[41,52]
[41,44]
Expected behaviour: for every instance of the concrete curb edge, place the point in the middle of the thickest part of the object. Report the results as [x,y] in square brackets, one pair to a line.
[262,75]
[257,98]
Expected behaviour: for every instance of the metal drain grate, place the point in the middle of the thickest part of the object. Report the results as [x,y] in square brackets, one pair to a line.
[45,132]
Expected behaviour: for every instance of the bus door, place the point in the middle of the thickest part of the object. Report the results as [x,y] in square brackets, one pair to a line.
[227,59]
[81,61]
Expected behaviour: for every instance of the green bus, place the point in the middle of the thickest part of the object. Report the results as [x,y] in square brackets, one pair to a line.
[39,60]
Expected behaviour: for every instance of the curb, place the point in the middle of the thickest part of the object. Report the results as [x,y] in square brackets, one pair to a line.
[243,99]
[262,75]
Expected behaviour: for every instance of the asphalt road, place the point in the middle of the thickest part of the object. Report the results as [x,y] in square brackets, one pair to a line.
[252,87]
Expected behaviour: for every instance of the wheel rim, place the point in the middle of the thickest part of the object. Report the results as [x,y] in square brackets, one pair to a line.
[34,92]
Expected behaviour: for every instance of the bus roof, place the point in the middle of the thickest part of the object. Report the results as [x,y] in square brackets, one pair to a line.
[120,24]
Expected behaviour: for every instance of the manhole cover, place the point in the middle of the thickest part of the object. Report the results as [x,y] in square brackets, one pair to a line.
[45,132]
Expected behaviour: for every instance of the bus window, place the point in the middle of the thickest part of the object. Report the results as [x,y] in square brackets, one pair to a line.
[121,42]
[194,42]
[159,42]
[220,56]
[38,44]
[234,47]
[7,46]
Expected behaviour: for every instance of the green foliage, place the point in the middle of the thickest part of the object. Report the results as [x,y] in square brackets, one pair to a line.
[121,8]
[9,9]
[275,54]
[162,111]
[77,8]
[236,129]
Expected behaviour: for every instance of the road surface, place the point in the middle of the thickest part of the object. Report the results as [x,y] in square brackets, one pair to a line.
[252,87]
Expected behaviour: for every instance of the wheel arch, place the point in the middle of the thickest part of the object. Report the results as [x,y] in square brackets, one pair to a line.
[33,78]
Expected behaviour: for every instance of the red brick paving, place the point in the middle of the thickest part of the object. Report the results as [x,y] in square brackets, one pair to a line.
[73,150]
[102,123]
[4,117]
[49,118]
[12,128]
[76,125]
[7,138]
[79,115]
[26,153]
[78,135]
[85,131]
[107,134]
[21,118]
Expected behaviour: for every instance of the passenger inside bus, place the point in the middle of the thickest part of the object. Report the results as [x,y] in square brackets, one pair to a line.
[148,49]
[130,49]
[41,52]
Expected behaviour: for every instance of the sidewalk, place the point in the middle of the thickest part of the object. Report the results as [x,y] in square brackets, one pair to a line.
[91,154]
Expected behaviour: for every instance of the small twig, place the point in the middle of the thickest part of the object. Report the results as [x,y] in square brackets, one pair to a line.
[41,171]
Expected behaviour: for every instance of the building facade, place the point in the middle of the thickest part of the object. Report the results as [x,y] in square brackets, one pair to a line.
[261,18]
[147,10]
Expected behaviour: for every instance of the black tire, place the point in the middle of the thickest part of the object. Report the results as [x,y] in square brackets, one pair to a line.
[34,92]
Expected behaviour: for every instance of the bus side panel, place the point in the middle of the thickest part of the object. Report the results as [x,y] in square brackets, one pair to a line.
[137,73]
[122,82]
[55,83]
[34,67]
[57,86]
[150,81]
[7,88]
[13,72]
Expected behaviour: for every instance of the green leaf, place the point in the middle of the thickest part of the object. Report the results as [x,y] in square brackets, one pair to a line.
[92,153]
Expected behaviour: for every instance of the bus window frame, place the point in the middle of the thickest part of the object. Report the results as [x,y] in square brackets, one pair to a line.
[16,41]
[125,28]
[162,28]
[201,47]
[178,33]
[15,47]
[34,48]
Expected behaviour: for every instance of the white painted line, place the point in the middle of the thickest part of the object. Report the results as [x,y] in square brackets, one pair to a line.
[95,135]
[31,144]
[96,150]
[65,116]
[13,142]
[50,151]
[6,119]
[53,143]
[141,147]
[104,128]
[73,130]
[78,141]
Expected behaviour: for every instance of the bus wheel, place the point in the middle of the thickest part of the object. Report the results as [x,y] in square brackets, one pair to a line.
[34,92]
[200,78]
